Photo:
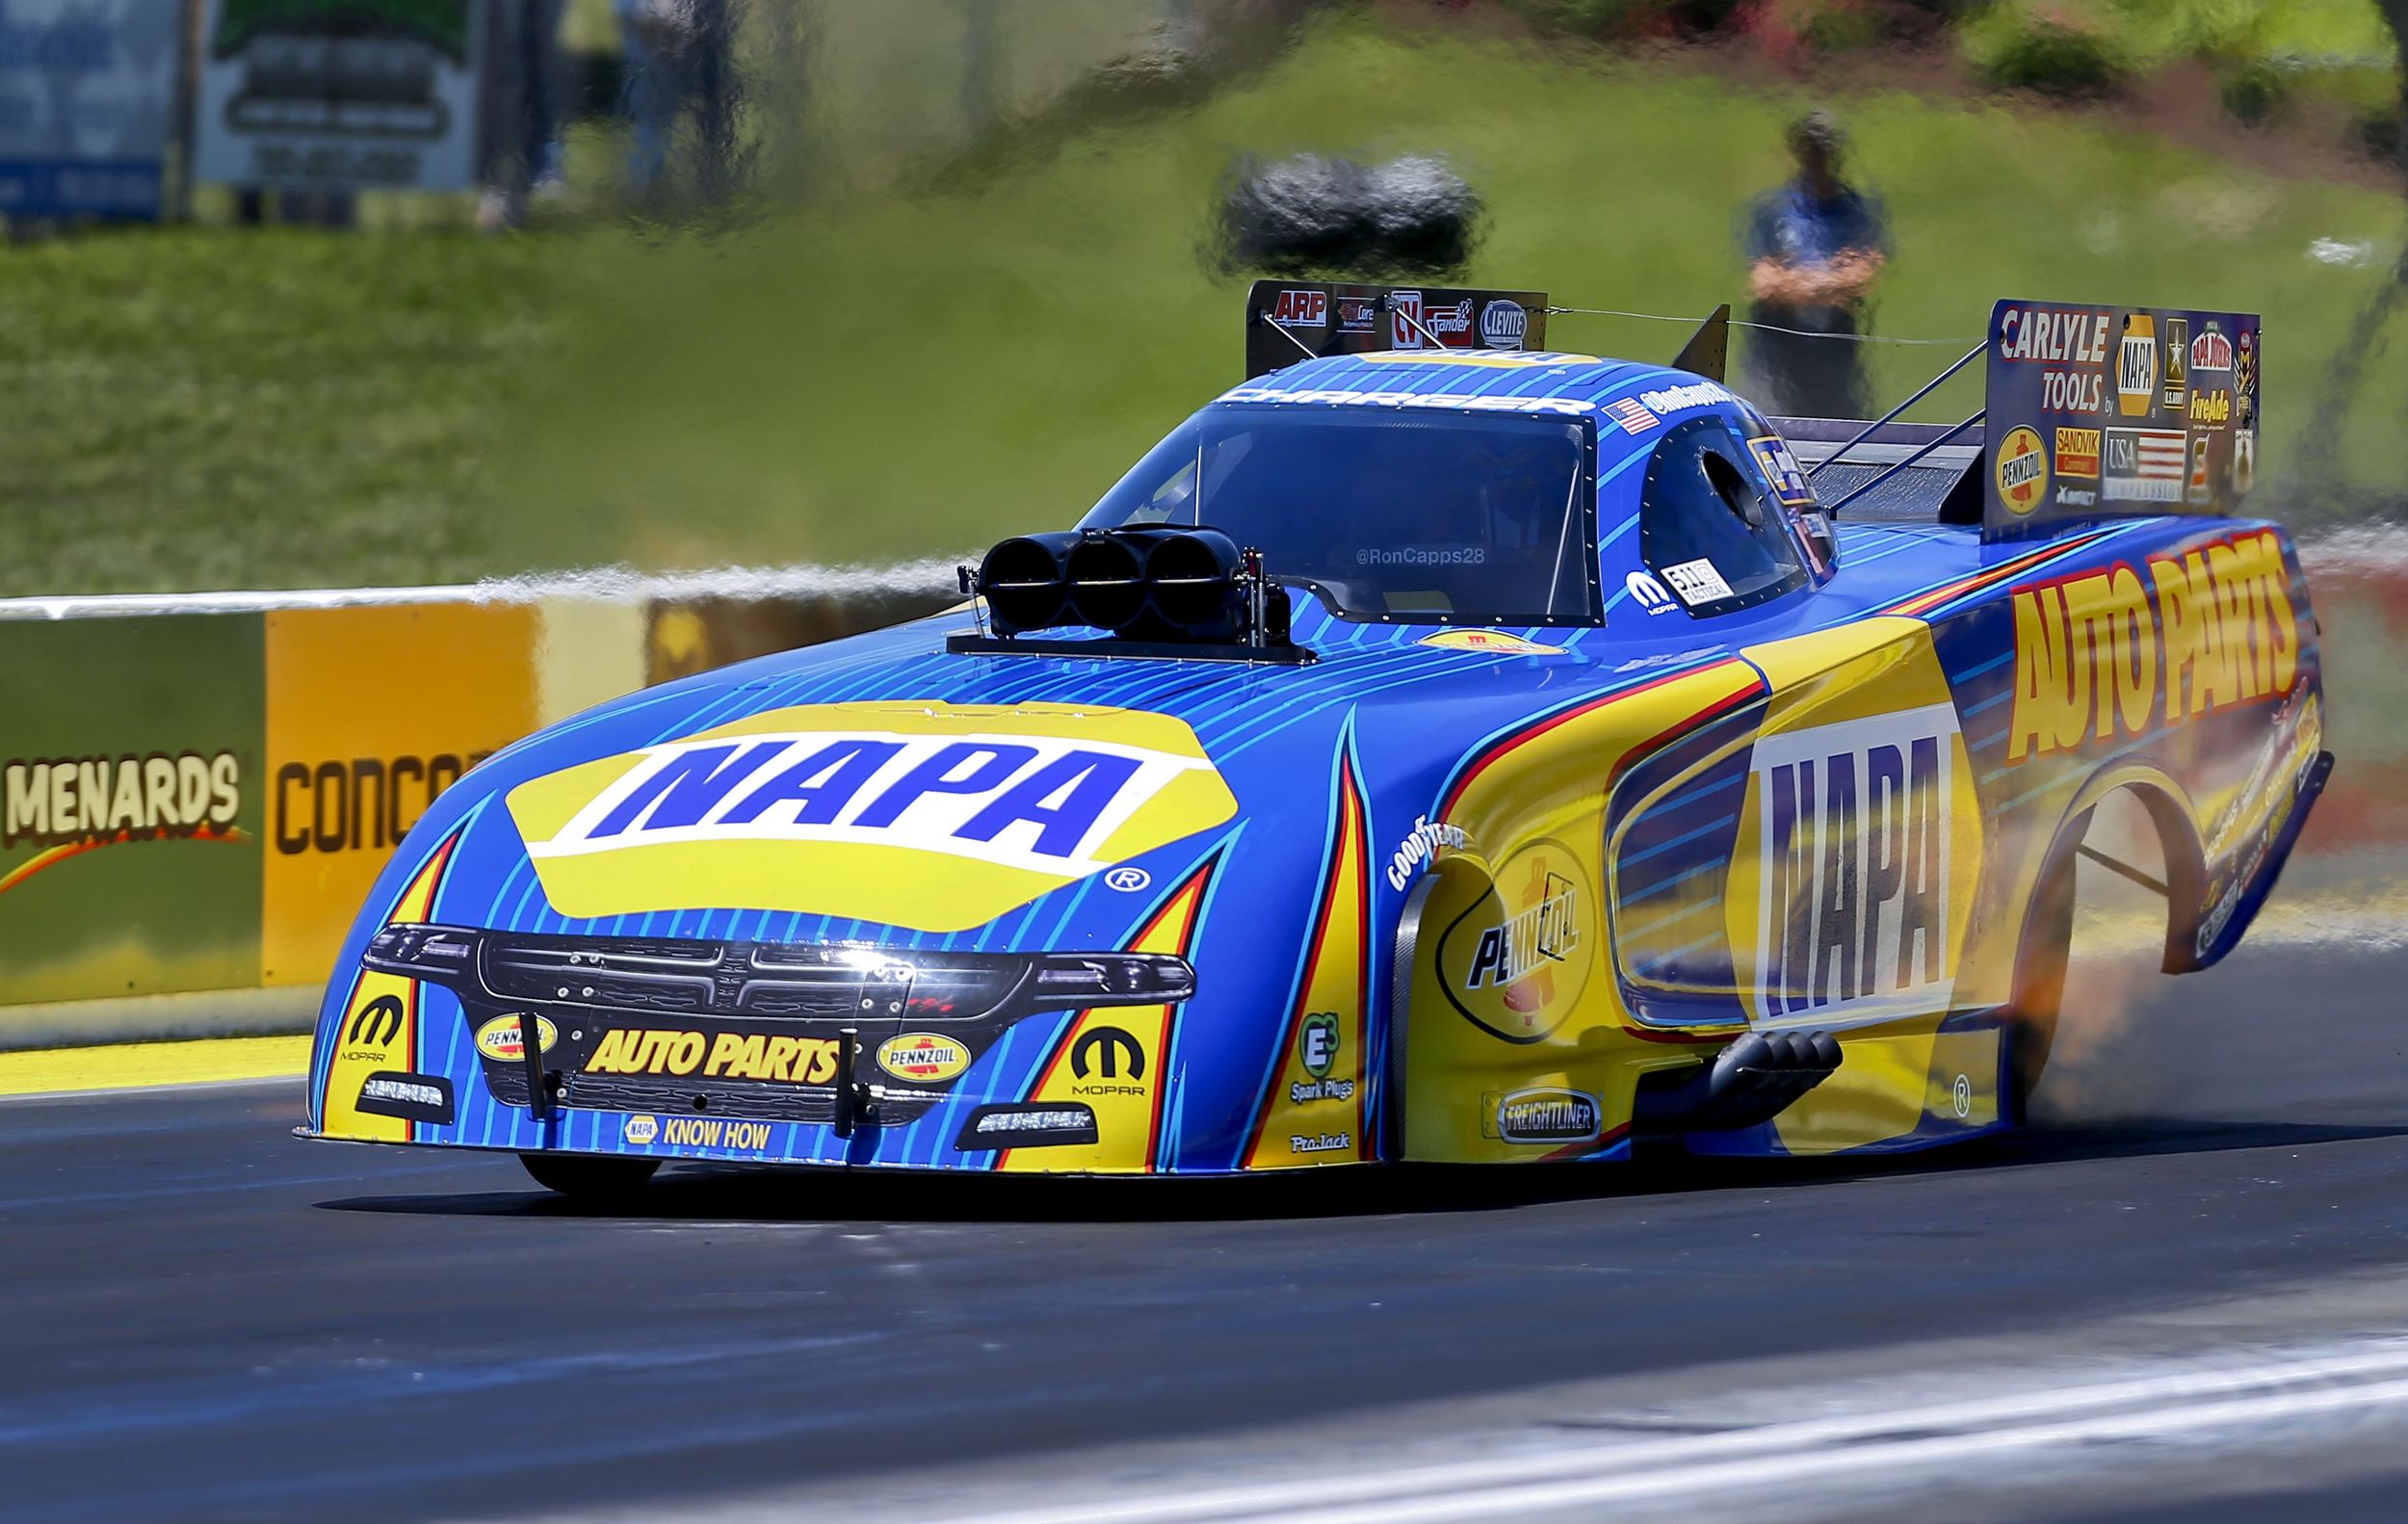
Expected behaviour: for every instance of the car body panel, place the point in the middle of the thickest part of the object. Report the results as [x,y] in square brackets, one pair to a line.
[1448,893]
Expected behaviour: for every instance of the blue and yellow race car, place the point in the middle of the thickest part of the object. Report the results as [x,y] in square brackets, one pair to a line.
[1437,748]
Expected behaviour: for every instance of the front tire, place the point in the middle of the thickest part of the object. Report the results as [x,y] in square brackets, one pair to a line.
[584,1177]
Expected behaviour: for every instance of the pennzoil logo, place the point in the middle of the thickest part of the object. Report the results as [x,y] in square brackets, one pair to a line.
[923,1058]
[499,1039]
[1516,963]
[2023,470]
[2095,662]
[1855,839]
[922,815]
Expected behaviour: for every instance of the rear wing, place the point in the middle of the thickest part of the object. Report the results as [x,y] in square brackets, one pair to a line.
[2088,411]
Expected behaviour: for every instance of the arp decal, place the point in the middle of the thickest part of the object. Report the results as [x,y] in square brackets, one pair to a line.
[1855,837]
[2094,662]
[1516,963]
[918,815]
[377,1035]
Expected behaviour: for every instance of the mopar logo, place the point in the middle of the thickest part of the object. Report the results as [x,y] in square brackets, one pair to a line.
[377,1023]
[1105,1051]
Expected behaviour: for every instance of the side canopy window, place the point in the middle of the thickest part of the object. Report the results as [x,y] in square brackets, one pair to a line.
[1710,526]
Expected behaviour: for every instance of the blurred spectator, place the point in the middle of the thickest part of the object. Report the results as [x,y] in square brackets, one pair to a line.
[525,100]
[677,53]
[1814,248]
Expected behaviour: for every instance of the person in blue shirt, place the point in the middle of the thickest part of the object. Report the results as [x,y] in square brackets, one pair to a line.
[1813,247]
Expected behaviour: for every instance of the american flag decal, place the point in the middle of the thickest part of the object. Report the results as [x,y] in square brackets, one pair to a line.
[1632,415]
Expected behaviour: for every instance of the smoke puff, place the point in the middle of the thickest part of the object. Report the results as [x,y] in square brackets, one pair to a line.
[1314,215]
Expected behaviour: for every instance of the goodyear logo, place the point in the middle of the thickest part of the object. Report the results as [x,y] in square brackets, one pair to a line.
[922,815]
[922,1057]
[2093,662]
[1855,825]
[726,1054]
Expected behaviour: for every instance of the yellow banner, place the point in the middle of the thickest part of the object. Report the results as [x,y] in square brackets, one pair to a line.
[372,713]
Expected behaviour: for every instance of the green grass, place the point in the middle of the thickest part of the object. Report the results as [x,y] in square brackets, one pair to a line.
[213,409]
[883,375]
[896,376]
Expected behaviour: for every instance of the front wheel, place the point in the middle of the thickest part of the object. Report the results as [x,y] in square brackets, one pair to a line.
[584,1177]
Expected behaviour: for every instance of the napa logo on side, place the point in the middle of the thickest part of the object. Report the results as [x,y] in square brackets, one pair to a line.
[1865,840]
[927,815]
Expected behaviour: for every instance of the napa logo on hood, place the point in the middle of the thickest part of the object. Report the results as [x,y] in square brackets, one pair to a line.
[927,815]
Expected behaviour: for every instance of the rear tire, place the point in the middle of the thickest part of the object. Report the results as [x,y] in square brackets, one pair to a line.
[584,1177]
[2040,976]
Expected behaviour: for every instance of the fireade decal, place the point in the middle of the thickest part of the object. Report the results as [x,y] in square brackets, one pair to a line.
[925,815]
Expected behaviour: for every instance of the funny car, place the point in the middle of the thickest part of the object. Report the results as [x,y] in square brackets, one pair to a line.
[1438,747]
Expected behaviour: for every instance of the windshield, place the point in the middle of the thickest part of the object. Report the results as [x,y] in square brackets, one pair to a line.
[1428,519]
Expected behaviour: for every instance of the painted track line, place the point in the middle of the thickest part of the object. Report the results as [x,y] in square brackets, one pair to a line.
[1892,1440]
[140,1067]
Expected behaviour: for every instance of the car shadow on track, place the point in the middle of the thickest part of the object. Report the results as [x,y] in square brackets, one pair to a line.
[716,1193]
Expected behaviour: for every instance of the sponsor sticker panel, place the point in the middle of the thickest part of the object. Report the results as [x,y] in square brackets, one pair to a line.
[1289,321]
[2095,410]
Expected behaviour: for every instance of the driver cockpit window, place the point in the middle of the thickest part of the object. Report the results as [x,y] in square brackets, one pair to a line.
[1710,526]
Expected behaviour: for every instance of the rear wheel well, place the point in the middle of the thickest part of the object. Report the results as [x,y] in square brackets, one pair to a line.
[2114,825]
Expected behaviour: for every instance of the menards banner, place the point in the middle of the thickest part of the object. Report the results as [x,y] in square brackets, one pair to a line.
[130,805]
[199,802]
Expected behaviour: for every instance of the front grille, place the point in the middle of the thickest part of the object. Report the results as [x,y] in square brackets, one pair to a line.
[758,979]
[642,1092]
